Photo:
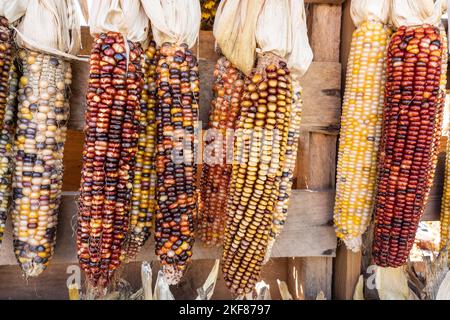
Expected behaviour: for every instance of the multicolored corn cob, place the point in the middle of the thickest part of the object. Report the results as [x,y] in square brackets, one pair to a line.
[410,137]
[144,184]
[8,110]
[360,134]
[110,147]
[260,148]
[176,193]
[216,173]
[43,113]
[288,167]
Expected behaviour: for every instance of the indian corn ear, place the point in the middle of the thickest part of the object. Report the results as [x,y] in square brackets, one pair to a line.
[410,137]
[216,172]
[176,193]
[144,184]
[43,113]
[260,148]
[288,167]
[445,210]
[361,123]
[8,94]
[110,146]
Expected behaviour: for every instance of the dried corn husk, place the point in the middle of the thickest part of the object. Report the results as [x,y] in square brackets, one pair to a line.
[49,26]
[234,30]
[176,22]
[364,10]
[413,12]
[123,16]
[281,29]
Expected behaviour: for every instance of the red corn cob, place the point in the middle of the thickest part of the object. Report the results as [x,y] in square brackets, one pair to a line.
[216,176]
[410,138]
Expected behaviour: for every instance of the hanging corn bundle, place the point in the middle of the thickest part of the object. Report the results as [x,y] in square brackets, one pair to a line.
[8,95]
[216,173]
[175,29]
[144,183]
[411,130]
[40,135]
[260,149]
[361,122]
[111,137]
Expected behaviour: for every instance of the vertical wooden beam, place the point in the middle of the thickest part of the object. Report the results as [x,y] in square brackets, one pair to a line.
[307,277]
[347,268]
[325,32]
[316,166]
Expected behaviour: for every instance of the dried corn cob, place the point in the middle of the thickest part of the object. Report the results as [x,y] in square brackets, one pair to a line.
[287,174]
[111,138]
[260,147]
[144,184]
[409,140]
[176,194]
[8,94]
[361,123]
[445,209]
[216,176]
[38,150]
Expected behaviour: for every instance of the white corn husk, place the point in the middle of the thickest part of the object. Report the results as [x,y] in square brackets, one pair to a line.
[174,21]
[49,26]
[413,12]
[234,31]
[281,30]
[126,17]
[369,10]
[300,59]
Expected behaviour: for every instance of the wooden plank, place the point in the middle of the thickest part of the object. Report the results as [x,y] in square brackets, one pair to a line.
[307,277]
[322,97]
[322,160]
[308,232]
[325,22]
[72,160]
[347,269]
[52,283]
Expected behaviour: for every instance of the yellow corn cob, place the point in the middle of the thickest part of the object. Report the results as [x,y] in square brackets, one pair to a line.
[260,148]
[287,174]
[445,210]
[360,132]
[144,184]
[8,105]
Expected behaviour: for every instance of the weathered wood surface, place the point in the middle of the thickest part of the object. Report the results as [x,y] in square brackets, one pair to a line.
[324,22]
[308,232]
[52,284]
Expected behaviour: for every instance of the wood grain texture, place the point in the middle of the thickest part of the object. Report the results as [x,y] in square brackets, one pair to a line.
[52,284]
[325,24]
[308,232]
[347,269]
[308,277]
